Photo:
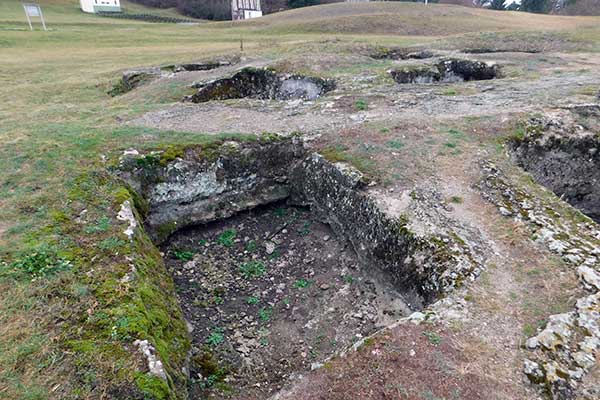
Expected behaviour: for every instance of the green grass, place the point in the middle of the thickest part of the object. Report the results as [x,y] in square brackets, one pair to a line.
[227,237]
[252,269]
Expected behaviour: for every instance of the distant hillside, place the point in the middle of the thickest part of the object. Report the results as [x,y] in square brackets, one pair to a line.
[410,19]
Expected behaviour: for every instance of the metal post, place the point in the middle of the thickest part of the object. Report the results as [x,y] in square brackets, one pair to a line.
[44,23]
[28,19]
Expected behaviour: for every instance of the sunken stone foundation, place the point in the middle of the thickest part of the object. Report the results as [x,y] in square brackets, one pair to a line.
[262,84]
[448,70]
[561,152]
[282,258]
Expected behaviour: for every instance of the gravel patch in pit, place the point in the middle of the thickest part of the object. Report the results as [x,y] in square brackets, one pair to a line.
[270,293]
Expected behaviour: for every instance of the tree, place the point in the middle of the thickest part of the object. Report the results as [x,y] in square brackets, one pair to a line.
[535,6]
[498,4]
[206,9]
[302,3]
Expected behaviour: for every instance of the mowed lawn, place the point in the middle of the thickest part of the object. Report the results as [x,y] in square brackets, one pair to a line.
[60,132]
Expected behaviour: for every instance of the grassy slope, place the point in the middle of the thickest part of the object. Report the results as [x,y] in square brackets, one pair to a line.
[57,121]
[410,19]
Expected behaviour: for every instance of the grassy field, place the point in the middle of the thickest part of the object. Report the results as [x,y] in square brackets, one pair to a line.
[59,131]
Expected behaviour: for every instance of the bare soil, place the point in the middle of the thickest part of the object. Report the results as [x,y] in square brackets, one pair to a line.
[307,297]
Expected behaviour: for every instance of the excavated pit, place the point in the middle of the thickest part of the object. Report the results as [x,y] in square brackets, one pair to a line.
[561,152]
[394,53]
[273,291]
[446,71]
[135,78]
[280,257]
[260,83]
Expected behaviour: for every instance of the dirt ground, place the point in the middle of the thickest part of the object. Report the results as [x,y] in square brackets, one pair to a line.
[272,292]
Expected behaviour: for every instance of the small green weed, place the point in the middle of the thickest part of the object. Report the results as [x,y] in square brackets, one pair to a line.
[361,105]
[395,144]
[218,300]
[280,211]
[101,225]
[456,200]
[451,145]
[183,255]
[251,246]
[226,238]
[252,269]
[111,243]
[305,230]
[433,338]
[40,263]
[252,300]
[216,337]
[264,314]
[450,92]
[301,284]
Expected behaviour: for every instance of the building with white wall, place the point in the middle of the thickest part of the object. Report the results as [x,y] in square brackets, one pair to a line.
[94,6]
[245,9]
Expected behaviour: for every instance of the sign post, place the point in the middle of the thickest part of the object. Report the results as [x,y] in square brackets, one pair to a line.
[33,10]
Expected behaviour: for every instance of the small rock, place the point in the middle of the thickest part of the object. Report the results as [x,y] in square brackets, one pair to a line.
[589,276]
[315,365]
[533,371]
[269,247]
[324,286]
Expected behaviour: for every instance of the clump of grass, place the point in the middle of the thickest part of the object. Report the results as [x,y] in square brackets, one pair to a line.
[40,263]
[361,105]
[183,255]
[216,337]
[252,269]
[450,92]
[395,144]
[301,284]
[111,243]
[518,135]
[433,338]
[264,314]
[251,246]
[280,211]
[451,145]
[227,237]
[456,199]
[101,225]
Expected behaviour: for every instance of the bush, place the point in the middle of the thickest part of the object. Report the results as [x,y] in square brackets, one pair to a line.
[157,3]
[302,3]
[206,9]
[535,6]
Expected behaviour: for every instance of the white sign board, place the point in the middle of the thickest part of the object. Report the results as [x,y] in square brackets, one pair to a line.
[33,10]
